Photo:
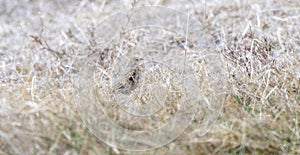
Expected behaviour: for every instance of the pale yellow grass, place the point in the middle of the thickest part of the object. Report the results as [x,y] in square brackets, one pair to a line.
[43,43]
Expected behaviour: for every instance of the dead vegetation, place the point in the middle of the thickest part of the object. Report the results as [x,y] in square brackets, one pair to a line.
[44,45]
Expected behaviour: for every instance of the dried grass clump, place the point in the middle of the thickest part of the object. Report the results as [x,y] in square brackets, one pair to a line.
[267,93]
[45,44]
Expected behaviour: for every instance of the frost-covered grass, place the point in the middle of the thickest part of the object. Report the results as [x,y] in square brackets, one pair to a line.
[44,44]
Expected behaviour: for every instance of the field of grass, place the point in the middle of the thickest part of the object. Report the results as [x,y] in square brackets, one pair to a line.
[56,70]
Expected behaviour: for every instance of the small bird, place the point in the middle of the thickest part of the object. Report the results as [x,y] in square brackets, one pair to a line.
[131,79]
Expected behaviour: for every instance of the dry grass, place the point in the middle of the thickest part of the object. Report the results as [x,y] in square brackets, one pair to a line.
[44,45]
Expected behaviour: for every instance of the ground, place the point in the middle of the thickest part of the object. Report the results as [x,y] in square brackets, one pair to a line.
[54,62]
